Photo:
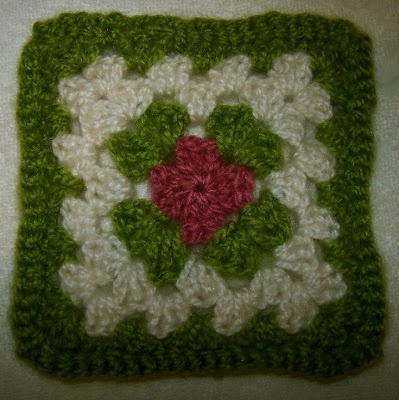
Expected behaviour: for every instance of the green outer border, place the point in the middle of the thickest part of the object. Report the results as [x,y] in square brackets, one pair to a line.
[49,329]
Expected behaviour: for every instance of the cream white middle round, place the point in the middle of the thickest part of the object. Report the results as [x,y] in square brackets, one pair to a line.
[107,282]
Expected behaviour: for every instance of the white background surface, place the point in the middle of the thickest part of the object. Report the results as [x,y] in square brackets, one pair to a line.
[380,18]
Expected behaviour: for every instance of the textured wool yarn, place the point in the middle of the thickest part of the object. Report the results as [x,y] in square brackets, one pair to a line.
[195,196]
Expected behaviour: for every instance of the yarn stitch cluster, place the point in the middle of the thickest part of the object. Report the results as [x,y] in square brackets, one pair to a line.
[112,285]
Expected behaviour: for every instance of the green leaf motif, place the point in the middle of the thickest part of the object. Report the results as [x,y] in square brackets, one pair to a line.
[238,247]
[151,143]
[152,237]
[240,141]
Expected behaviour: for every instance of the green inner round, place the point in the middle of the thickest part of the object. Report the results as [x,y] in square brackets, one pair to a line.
[239,247]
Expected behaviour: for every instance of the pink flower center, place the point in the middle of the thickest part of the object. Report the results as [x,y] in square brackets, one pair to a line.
[199,190]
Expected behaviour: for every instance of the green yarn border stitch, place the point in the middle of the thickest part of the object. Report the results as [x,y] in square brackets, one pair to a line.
[49,329]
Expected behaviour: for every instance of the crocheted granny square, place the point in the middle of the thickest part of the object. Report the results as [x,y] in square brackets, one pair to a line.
[195,196]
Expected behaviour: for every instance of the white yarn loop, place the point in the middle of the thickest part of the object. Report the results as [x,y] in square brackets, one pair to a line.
[112,285]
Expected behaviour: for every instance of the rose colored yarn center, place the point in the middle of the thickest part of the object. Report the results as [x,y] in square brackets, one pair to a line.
[199,190]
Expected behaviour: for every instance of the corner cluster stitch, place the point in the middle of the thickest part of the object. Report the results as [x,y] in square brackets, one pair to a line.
[111,277]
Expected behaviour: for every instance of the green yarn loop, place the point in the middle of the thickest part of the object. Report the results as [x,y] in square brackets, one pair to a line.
[240,141]
[238,248]
[153,237]
[151,142]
